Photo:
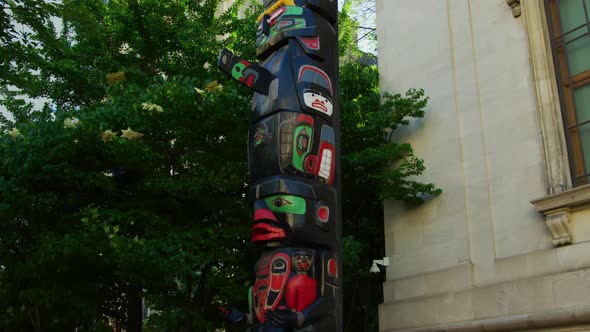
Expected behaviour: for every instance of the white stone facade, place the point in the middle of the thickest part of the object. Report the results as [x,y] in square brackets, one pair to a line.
[481,256]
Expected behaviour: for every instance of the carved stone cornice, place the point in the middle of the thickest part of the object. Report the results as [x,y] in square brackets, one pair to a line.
[560,224]
[515,4]
[567,199]
[558,213]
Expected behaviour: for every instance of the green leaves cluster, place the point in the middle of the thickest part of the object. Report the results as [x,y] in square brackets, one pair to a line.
[371,158]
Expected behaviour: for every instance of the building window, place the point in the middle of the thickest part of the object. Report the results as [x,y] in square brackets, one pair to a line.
[569,25]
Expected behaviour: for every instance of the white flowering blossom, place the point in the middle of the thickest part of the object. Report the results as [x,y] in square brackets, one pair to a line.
[14,133]
[71,123]
[152,107]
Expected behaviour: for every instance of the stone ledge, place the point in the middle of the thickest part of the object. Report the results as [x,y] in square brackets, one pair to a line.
[558,212]
[567,199]
[523,304]
[557,318]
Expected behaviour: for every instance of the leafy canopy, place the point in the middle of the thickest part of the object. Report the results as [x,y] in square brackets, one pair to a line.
[130,182]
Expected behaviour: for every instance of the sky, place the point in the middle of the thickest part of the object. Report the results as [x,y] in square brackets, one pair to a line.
[366,18]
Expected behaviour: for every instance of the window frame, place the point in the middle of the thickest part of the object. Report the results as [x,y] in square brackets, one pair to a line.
[566,85]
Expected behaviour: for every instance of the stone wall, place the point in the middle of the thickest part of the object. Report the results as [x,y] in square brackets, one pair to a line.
[480,252]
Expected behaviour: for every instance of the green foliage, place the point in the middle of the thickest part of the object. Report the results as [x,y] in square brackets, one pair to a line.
[371,158]
[133,178]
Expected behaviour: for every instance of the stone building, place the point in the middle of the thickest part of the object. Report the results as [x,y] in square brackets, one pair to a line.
[506,247]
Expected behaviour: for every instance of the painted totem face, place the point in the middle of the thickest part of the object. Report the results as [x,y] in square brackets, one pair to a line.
[274,217]
[318,101]
[287,218]
[302,260]
[293,144]
[317,89]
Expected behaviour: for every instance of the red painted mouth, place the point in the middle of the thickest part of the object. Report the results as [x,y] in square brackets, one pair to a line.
[320,105]
[303,266]
[263,232]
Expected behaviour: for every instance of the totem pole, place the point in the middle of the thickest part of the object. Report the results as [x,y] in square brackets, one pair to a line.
[293,151]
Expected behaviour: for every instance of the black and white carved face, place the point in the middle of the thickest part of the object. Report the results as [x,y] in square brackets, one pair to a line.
[318,102]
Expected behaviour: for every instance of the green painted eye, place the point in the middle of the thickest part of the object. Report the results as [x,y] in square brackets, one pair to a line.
[237,70]
[286,204]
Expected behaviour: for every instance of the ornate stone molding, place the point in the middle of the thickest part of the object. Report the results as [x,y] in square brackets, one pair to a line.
[550,120]
[559,223]
[515,4]
[567,199]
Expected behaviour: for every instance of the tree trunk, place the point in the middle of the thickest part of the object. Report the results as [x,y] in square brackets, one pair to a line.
[134,309]
[188,324]
[34,317]
[188,321]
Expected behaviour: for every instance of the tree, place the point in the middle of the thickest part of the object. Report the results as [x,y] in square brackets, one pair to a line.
[129,185]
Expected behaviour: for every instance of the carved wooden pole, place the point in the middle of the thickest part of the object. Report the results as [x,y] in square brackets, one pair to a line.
[294,157]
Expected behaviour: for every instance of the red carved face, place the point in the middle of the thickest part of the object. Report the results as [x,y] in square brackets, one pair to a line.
[271,215]
[282,219]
